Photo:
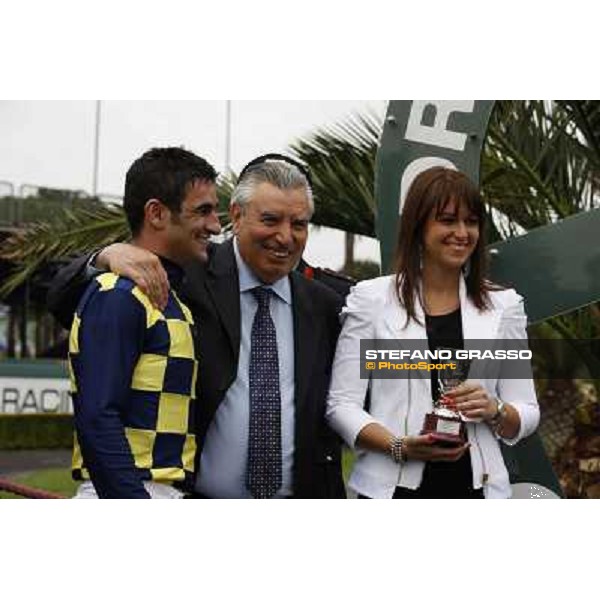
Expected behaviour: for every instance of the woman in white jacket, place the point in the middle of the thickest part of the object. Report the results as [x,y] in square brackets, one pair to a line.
[438,293]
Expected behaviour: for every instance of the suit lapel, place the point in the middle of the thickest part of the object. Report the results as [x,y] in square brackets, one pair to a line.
[224,288]
[305,340]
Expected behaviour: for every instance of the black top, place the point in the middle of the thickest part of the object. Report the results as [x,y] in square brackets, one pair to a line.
[443,331]
[444,479]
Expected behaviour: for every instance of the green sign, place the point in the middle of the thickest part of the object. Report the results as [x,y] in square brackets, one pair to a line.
[556,267]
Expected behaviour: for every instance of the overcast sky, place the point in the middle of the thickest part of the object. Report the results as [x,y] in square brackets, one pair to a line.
[51,143]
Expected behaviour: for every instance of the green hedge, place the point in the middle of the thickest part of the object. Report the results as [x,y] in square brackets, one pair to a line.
[33,431]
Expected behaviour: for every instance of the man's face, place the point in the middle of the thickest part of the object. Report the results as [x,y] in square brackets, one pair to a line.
[271,230]
[189,230]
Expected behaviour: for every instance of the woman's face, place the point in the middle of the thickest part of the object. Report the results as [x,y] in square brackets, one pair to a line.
[450,237]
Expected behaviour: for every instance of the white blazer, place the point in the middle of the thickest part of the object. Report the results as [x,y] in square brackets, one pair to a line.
[372,311]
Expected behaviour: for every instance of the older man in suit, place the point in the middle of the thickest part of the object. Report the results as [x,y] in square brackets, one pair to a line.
[266,339]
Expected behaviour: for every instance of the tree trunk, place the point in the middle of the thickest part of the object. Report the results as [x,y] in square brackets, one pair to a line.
[23,323]
[349,251]
[10,337]
[39,333]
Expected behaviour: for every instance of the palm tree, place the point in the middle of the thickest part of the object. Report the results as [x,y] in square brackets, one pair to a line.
[67,232]
[537,167]
[541,162]
[341,158]
[72,228]
[342,165]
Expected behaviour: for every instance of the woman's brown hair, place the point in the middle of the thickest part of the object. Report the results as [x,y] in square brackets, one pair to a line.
[431,191]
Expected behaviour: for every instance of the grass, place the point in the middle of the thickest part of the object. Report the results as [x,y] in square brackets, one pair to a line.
[59,480]
[347,462]
[50,480]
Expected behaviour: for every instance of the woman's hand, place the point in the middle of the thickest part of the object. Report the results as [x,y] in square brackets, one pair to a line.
[141,266]
[425,447]
[418,447]
[472,401]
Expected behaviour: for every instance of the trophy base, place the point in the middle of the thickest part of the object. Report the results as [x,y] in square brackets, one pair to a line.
[446,431]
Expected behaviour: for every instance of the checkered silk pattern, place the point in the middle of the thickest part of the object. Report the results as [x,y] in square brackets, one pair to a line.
[263,477]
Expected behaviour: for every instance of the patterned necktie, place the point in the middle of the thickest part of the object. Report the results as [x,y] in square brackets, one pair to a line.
[263,476]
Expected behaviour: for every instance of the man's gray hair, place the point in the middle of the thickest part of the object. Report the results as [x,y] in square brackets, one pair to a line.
[276,172]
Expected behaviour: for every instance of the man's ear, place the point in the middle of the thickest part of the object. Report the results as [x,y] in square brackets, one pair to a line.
[235,214]
[156,214]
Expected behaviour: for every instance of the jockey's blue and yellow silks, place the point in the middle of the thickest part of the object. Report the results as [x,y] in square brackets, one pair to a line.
[133,377]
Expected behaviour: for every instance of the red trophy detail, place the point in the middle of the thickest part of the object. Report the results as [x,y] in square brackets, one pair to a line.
[444,425]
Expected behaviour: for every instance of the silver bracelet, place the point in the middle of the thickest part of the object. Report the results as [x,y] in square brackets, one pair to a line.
[395,449]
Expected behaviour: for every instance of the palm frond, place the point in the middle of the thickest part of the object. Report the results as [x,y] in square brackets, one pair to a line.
[70,231]
[341,158]
[225,186]
[541,163]
[536,166]
[74,228]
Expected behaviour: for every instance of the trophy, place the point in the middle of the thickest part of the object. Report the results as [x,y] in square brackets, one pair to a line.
[443,424]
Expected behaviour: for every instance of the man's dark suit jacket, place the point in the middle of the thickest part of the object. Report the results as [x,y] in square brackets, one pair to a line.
[212,292]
